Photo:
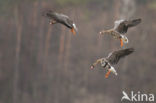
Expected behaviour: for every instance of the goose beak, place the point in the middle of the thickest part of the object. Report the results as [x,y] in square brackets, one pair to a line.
[52,22]
[73,31]
[107,74]
[100,32]
[103,32]
[121,43]
[112,69]
[92,67]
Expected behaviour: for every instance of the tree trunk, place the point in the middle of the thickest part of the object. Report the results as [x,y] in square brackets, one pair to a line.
[18,20]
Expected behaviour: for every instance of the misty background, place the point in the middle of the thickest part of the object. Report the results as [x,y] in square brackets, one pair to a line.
[43,63]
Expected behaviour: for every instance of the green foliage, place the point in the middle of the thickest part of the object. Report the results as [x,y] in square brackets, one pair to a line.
[79,2]
[145,2]
[75,2]
[152,5]
[142,1]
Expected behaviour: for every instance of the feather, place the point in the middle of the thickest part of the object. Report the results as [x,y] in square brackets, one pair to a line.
[115,56]
[122,26]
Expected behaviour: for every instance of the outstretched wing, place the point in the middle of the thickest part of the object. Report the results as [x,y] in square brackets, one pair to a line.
[115,56]
[58,17]
[63,19]
[133,22]
[49,14]
[122,26]
[117,23]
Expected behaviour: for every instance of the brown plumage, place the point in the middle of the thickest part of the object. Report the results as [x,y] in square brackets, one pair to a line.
[60,18]
[113,58]
[120,28]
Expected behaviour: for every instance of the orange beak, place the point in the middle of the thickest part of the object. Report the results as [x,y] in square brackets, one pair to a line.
[121,43]
[92,67]
[51,22]
[107,74]
[73,31]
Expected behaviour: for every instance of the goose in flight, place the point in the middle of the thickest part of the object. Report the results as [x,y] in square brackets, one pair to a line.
[113,58]
[62,19]
[121,28]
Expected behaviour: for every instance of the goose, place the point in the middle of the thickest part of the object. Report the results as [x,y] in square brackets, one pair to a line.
[62,19]
[121,28]
[112,59]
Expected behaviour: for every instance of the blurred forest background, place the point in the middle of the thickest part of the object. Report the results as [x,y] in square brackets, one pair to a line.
[41,63]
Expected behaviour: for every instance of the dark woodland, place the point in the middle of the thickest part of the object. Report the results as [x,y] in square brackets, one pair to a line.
[43,63]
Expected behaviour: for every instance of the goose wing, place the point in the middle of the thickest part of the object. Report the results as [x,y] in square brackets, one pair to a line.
[53,15]
[122,26]
[115,56]
[133,22]
[117,23]
[59,17]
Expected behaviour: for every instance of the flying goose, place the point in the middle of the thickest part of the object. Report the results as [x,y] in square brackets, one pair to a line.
[62,19]
[112,59]
[120,28]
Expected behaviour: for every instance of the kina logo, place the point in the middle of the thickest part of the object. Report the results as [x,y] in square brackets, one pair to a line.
[125,96]
[137,97]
